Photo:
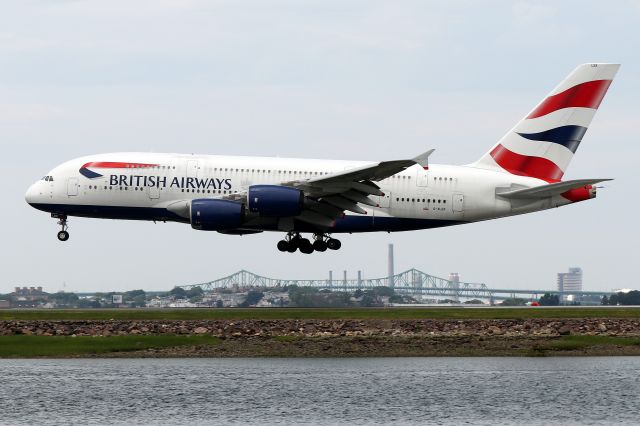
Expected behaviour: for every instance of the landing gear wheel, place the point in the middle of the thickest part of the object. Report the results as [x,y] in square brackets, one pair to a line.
[283,245]
[305,246]
[63,235]
[293,244]
[333,244]
[319,245]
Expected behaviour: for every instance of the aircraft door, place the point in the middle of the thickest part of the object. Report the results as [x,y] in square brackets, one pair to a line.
[422,177]
[192,168]
[457,203]
[72,187]
[383,201]
[154,192]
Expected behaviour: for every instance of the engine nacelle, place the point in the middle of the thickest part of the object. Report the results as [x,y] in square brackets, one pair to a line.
[275,201]
[216,215]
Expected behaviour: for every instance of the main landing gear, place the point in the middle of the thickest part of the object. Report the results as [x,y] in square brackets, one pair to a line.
[321,242]
[63,235]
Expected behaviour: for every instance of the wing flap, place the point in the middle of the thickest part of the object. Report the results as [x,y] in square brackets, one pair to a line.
[344,204]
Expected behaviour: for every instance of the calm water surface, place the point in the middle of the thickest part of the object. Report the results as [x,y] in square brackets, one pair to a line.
[442,391]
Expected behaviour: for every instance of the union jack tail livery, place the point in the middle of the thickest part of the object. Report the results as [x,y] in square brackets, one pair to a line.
[542,144]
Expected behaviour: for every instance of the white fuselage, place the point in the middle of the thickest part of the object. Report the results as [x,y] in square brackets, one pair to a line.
[414,199]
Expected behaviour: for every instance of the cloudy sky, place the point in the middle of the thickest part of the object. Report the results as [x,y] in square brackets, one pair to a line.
[365,80]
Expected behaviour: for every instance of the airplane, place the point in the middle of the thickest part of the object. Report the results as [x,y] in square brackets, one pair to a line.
[521,173]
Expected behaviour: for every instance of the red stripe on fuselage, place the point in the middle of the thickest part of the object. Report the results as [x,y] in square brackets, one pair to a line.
[116,165]
[524,165]
[584,95]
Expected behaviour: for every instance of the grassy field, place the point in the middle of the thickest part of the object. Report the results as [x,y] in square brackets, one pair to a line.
[62,346]
[582,343]
[311,313]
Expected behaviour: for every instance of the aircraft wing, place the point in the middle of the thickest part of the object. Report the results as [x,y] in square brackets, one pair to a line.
[327,197]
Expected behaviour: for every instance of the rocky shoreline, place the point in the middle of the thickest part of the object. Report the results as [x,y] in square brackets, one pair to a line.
[350,338]
[328,328]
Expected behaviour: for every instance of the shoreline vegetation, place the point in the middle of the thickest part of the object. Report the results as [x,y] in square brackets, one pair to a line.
[292,332]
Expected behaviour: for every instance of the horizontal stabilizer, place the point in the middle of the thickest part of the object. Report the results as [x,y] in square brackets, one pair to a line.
[545,191]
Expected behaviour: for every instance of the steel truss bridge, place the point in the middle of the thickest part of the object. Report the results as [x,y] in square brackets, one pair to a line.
[411,282]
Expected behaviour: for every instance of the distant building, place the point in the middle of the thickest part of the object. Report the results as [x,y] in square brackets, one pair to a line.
[454,279]
[568,282]
[29,294]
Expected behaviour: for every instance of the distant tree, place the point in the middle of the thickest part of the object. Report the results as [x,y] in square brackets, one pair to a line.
[604,300]
[196,291]
[548,299]
[253,297]
[383,291]
[369,300]
[178,293]
[514,301]
[64,299]
[629,298]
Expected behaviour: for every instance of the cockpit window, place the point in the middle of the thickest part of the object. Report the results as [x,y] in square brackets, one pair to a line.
[48,178]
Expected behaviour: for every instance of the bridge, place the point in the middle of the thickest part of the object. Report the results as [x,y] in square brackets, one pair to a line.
[411,282]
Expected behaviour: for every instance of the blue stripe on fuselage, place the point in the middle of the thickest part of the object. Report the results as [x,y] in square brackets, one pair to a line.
[364,223]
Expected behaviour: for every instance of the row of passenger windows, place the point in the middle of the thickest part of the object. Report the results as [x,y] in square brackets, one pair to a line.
[424,200]
[148,166]
[135,188]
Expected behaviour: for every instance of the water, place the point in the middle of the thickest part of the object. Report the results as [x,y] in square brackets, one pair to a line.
[441,391]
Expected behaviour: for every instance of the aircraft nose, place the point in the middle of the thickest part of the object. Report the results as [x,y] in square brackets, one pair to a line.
[31,195]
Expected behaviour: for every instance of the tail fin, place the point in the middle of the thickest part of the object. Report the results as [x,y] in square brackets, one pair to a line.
[542,144]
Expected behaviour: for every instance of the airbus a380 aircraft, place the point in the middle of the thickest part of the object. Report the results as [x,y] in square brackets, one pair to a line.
[243,195]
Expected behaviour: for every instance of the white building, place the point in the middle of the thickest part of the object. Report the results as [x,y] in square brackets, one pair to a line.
[569,281]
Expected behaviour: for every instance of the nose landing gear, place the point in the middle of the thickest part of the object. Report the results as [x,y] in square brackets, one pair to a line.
[63,235]
[321,242]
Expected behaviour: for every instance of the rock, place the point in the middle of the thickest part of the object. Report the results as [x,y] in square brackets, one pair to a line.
[564,330]
[201,330]
[495,330]
[602,327]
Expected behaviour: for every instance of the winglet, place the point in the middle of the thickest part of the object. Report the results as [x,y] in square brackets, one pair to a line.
[423,159]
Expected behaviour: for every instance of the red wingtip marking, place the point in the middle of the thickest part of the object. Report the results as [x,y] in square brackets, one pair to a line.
[578,194]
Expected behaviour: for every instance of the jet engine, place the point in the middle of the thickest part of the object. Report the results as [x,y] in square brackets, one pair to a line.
[275,201]
[216,215]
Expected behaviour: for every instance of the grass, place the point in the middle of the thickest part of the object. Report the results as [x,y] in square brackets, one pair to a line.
[22,346]
[286,338]
[570,343]
[313,313]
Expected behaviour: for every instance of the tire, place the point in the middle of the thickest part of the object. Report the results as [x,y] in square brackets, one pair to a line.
[319,245]
[63,235]
[334,244]
[305,246]
[283,245]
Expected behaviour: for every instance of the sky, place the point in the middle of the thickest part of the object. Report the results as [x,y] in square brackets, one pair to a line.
[359,80]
